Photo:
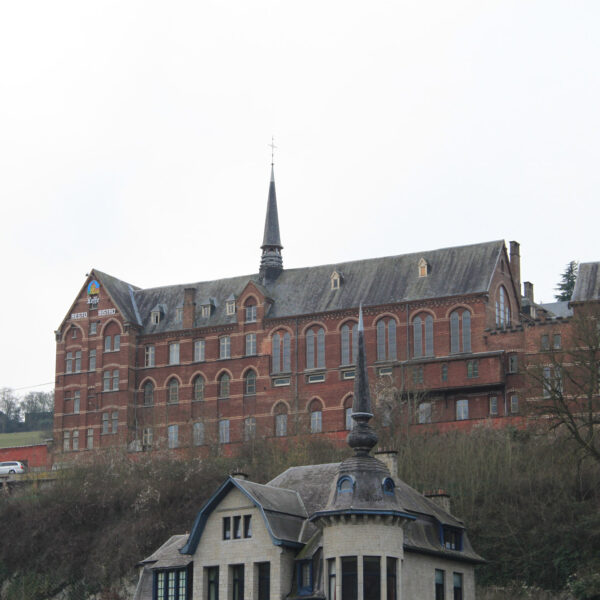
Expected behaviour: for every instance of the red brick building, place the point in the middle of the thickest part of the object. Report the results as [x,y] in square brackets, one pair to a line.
[271,354]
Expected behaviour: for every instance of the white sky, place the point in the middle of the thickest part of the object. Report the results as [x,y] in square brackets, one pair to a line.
[134,139]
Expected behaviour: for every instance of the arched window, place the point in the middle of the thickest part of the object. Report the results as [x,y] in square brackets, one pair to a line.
[345,484]
[418,337]
[148,393]
[281,420]
[386,339]
[281,352]
[502,308]
[250,310]
[428,335]
[316,417]
[349,340]
[224,381]
[173,391]
[199,388]
[250,383]
[458,342]
[315,357]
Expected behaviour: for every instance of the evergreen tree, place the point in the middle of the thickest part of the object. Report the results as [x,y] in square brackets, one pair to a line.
[567,282]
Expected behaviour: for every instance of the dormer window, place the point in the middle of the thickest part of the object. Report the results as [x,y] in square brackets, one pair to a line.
[336,280]
[205,310]
[250,313]
[423,268]
[345,485]
[179,314]
[451,538]
[230,307]
[155,317]
[388,486]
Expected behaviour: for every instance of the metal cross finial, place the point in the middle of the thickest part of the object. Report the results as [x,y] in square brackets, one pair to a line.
[272,146]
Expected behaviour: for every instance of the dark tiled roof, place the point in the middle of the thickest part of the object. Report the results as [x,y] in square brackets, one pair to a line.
[587,286]
[558,309]
[378,281]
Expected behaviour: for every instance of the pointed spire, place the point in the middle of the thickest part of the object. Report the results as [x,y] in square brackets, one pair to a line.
[362,437]
[271,263]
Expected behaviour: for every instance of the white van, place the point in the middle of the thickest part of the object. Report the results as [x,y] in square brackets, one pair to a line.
[13,466]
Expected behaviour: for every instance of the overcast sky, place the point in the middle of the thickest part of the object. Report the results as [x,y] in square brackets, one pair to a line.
[134,139]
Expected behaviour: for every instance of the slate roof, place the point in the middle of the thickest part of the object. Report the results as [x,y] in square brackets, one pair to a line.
[587,285]
[377,281]
[558,309]
[271,236]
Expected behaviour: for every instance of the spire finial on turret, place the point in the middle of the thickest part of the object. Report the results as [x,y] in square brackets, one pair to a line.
[271,263]
[362,437]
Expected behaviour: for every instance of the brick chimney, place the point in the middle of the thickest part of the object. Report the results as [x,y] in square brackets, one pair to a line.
[390,459]
[189,295]
[440,497]
[515,268]
[528,290]
[237,474]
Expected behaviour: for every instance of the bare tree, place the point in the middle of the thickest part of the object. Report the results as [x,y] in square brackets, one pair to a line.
[564,382]
[10,409]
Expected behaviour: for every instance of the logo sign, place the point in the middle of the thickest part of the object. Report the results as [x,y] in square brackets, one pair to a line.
[93,288]
[93,291]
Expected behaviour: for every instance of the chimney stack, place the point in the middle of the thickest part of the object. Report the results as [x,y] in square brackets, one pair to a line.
[439,497]
[390,459]
[237,474]
[189,295]
[515,268]
[528,290]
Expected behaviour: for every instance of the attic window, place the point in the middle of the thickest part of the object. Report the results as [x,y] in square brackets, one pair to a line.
[230,307]
[206,310]
[388,486]
[336,280]
[179,314]
[155,317]
[423,268]
[345,485]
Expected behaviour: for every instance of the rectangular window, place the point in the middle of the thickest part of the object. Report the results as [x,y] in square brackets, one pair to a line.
[224,431]
[424,415]
[439,585]
[225,347]
[249,428]
[117,343]
[392,575]
[199,348]
[174,353]
[115,380]
[304,574]
[545,342]
[69,363]
[458,586]
[556,341]
[147,436]
[444,372]
[149,356]
[462,410]
[493,405]
[514,404]
[264,581]
[348,418]
[92,360]
[66,441]
[349,578]
[173,432]
[237,528]
[247,526]
[472,369]
[250,344]
[331,579]
[417,375]
[513,363]
[198,434]
[107,343]
[316,378]
[371,578]
[212,583]
[76,440]
[205,310]
[348,374]
[76,401]
[105,423]
[93,328]
[115,421]
[78,361]
[316,421]
[226,528]
[237,582]
[90,438]
[107,380]
[179,314]
[251,314]
[155,317]
[281,425]
[230,307]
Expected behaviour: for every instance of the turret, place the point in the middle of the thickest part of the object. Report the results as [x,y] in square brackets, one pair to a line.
[271,263]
